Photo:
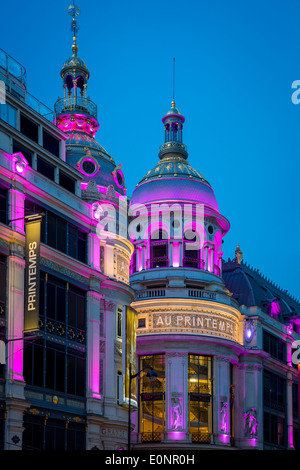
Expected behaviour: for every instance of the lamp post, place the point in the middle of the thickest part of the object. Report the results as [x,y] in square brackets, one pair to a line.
[152,375]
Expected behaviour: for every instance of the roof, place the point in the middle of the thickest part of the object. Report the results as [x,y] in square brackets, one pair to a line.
[251,288]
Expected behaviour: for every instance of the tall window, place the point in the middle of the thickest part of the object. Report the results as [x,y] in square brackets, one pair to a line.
[273,429]
[159,250]
[274,346]
[3,205]
[200,400]
[274,391]
[53,434]
[152,399]
[60,233]
[57,360]
[192,252]
[2,305]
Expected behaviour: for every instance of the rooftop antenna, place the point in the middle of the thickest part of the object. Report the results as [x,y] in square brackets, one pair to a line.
[173,101]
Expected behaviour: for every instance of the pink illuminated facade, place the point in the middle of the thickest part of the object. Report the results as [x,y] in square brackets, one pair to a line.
[221,337]
[225,374]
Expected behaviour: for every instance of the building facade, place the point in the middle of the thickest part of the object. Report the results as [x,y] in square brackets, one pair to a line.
[221,337]
[59,388]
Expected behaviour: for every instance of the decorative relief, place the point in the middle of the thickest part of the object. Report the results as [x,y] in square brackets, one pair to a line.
[224,418]
[61,269]
[250,423]
[121,261]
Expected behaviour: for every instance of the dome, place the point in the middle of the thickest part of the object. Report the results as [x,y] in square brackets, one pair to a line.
[74,62]
[174,179]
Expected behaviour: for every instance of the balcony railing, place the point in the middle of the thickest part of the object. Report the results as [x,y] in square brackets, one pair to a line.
[75,104]
[198,293]
[151,293]
[161,262]
[12,67]
[189,262]
[151,436]
[200,437]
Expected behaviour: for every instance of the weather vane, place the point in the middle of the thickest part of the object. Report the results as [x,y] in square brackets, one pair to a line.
[74,11]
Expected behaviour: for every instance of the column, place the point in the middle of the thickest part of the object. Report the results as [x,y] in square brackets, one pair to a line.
[249,407]
[16,200]
[221,404]
[289,409]
[94,405]
[14,388]
[177,397]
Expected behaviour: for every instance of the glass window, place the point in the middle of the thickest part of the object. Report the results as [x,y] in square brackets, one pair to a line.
[26,153]
[50,143]
[3,205]
[152,399]
[45,168]
[67,182]
[274,346]
[29,128]
[8,114]
[200,402]
[159,250]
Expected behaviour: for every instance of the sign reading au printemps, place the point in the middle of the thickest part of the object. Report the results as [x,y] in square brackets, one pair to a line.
[199,323]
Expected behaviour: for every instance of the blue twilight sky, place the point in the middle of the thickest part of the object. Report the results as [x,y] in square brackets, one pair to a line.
[236,61]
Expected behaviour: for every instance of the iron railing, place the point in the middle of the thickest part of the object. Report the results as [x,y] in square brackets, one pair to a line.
[75,104]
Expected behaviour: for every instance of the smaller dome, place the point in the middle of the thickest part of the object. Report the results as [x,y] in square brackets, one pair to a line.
[173,111]
[74,62]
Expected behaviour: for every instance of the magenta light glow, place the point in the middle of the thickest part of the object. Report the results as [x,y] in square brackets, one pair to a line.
[20,162]
[176,435]
[176,254]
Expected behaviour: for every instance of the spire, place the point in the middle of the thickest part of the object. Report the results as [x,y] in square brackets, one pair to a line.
[74,11]
[75,111]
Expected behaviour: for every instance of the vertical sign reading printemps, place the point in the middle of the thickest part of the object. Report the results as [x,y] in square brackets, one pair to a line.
[32,272]
[129,325]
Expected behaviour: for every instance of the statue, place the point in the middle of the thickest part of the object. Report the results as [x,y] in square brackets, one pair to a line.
[176,414]
[223,417]
[251,423]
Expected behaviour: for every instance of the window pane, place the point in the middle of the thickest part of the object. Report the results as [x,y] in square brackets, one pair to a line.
[50,143]
[62,235]
[29,128]
[45,168]
[26,153]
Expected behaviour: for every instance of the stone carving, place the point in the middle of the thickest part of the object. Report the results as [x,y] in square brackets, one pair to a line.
[91,191]
[223,417]
[250,423]
[176,413]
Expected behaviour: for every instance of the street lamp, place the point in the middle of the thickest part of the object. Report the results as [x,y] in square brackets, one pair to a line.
[152,376]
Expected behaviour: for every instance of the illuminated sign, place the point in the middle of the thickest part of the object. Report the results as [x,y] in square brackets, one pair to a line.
[32,272]
[212,323]
[129,323]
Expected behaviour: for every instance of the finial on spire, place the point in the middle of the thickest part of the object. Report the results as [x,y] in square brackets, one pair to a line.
[74,11]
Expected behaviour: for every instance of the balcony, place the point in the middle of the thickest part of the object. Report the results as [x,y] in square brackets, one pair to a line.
[171,293]
[77,104]
[13,75]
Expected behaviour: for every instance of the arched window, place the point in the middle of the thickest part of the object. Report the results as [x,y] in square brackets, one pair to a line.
[192,250]
[159,249]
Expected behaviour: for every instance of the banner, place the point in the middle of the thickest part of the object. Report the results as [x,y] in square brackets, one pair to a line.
[32,272]
[129,325]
